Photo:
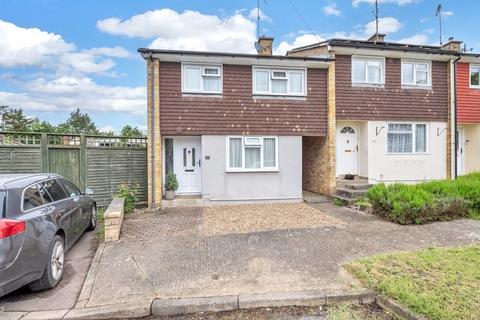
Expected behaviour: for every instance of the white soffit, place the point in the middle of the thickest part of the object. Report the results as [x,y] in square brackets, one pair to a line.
[393,54]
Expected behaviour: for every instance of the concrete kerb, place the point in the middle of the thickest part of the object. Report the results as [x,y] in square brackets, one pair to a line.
[399,310]
[137,309]
[90,279]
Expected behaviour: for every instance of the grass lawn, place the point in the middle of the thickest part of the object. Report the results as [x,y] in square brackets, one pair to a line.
[438,283]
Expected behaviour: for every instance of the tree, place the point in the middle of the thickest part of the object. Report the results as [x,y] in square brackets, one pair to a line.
[129,131]
[42,126]
[78,123]
[15,120]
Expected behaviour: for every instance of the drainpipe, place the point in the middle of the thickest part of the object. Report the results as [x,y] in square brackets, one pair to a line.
[455,174]
[152,131]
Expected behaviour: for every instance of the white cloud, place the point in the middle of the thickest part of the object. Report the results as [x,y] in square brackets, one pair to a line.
[69,93]
[107,129]
[399,2]
[447,13]
[415,39]
[27,47]
[331,10]
[254,15]
[188,30]
[385,25]
[300,41]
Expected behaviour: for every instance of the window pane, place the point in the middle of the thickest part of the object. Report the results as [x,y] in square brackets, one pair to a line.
[407,127]
[420,138]
[296,83]
[359,71]
[252,157]
[168,155]
[475,76]
[373,74]
[32,198]
[184,157]
[407,73]
[269,152]
[422,67]
[279,86]
[422,77]
[71,189]
[211,84]
[253,141]
[261,81]
[193,157]
[211,71]
[235,152]
[399,142]
[193,77]
[54,189]
[279,74]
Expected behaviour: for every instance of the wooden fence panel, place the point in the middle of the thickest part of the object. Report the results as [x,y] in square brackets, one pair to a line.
[97,162]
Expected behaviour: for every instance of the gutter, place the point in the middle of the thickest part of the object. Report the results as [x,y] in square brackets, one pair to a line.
[152,132]
[455,121]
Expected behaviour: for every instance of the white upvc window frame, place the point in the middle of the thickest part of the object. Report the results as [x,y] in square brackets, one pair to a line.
[270,71]
[366,59]
[473,65]
[414,131]
[244,144]
[415,63]
[203,75]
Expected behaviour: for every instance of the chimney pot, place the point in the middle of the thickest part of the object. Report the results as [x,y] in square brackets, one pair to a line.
[266,44]
[380,37]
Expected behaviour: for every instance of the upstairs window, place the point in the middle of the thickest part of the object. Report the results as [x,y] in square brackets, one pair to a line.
[366,70]
[202,78]
[475,76]
[279,82]
[416,73]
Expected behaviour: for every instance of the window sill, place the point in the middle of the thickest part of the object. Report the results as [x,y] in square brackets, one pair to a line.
[475,87]
[251,170]
[280,97]
[408,154]
[412,86]
[202,94]
[368,85]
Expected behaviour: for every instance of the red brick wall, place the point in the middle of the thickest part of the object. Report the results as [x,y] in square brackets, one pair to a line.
[391,102]
[236,112]
[468,99]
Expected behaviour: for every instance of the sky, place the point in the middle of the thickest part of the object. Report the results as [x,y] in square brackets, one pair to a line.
[57,55]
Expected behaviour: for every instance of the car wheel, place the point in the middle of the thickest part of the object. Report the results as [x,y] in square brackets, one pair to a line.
[54,270]
[93,219]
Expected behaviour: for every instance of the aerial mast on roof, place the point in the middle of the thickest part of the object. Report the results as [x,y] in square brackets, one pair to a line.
[439,15]
[376,20]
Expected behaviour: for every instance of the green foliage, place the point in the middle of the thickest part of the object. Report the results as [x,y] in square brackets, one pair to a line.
[339,202]
[78,123]
[15,120]
[427,202]
[130,194]
[171,183]
[129,131]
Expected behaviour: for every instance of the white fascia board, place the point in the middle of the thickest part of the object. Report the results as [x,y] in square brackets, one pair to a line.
[392,54]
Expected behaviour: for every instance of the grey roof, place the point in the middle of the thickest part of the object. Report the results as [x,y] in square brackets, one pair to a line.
[349,43]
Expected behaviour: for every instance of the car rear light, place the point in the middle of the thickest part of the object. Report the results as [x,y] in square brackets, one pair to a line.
[9,227]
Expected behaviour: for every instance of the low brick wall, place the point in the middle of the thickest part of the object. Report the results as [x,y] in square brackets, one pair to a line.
[114,219]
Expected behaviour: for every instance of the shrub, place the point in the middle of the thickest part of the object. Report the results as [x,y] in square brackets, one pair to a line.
[427,202]
[171,183]
[130,194]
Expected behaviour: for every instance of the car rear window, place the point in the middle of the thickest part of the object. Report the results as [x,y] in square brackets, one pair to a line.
[32,198]
[54,189]
[3,214]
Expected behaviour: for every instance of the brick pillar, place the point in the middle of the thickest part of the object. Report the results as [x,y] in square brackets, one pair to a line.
[155,162]
[331,180]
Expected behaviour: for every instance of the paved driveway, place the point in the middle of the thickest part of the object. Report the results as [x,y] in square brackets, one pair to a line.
[169,255]
[64,296]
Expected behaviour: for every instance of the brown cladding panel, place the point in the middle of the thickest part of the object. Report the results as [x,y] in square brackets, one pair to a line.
[391,102]
[236,112]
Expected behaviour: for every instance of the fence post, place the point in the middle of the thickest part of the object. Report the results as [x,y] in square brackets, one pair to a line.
[44,152]
[83,162]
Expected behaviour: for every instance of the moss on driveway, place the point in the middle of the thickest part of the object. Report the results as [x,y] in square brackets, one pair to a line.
[438,283]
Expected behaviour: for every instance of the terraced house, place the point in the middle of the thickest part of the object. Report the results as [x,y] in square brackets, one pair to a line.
[468,113]
[393,108]
[236,127]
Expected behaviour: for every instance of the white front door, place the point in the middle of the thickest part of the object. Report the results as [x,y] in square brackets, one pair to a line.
[461,152]
[347,148]
[187,161]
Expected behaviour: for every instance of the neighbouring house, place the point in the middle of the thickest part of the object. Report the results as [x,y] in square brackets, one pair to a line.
[393,108]
[468,113]
[236,127]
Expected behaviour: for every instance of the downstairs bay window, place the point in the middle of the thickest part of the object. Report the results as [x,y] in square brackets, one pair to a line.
[407,138]
[252,153]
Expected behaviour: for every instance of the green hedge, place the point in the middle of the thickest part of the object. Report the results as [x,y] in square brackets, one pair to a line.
[427,202]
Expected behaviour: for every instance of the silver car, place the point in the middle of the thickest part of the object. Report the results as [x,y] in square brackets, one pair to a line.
[41,217]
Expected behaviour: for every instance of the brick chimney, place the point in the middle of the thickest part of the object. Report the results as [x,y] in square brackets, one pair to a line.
[265,46]
[380,37]
[452,45]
